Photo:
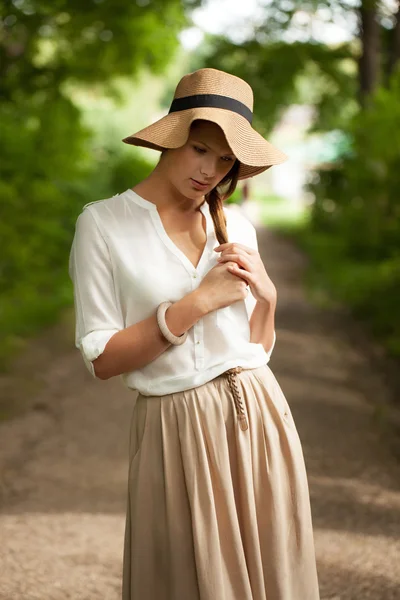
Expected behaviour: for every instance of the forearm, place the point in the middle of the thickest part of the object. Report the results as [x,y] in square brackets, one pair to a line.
[139,344]
[262,324]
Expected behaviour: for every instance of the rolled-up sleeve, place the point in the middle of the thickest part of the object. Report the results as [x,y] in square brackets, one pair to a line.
[97,313]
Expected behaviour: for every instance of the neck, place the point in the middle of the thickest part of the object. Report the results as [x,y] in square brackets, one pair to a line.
[158,189]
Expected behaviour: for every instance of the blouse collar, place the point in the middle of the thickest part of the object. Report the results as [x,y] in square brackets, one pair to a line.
[205,209]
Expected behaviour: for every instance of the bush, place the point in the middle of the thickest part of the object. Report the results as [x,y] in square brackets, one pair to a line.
[47,174]
[357,205]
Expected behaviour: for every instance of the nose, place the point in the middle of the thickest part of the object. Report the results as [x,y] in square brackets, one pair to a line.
[208,166]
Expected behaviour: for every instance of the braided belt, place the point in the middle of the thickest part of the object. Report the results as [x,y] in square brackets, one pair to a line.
[233,383]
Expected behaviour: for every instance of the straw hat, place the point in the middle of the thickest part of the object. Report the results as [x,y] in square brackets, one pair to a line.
[219,97]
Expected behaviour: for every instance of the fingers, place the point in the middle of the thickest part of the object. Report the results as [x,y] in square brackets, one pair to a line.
[240,259]
[240,272]
[234,246]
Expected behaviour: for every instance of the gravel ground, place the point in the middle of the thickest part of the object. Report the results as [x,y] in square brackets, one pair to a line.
[63,459]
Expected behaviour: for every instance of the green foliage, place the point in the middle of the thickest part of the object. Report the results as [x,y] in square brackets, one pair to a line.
[127,169]
[370,288]
[357,212]
[46,175]
[50,165]
[357,199]
[354,233]
[45,149]
[45,42]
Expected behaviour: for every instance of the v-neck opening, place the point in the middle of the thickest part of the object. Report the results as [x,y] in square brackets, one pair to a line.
[159,226]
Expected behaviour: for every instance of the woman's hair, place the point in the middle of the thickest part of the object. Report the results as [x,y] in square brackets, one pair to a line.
[215,199]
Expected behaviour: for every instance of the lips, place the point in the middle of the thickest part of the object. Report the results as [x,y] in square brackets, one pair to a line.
[199,184]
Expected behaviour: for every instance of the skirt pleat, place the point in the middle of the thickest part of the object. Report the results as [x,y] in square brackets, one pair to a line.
[215,512]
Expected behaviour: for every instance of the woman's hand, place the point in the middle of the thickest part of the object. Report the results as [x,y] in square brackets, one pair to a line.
[250,268]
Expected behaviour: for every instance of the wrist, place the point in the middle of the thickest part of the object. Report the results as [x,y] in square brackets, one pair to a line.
[200,303]
[184,313]
[269,302]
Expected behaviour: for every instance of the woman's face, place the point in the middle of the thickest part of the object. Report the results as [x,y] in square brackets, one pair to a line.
[205,158]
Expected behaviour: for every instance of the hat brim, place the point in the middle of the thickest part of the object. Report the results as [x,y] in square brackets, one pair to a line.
[254,152]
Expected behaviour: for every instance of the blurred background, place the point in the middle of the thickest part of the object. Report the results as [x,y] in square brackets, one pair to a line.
[78,76]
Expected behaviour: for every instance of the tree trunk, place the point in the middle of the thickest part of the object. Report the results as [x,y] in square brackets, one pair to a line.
[394,55]
[369,61]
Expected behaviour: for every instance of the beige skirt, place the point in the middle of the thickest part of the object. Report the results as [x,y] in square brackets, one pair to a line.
[218,503]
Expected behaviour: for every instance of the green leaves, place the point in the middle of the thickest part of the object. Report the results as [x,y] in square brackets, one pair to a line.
[50,51]
[45,43]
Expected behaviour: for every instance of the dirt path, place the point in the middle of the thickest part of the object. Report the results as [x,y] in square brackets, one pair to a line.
[64,461]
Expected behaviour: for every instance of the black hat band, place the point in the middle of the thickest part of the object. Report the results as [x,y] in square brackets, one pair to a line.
[213,100]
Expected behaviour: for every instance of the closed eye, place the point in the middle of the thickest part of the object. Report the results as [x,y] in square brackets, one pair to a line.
[201,151]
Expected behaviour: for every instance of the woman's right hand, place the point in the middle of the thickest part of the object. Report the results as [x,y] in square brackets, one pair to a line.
[220,288]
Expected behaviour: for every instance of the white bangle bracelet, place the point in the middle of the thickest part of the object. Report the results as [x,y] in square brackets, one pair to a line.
[169,336]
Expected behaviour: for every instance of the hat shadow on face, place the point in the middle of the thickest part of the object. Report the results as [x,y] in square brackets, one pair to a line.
[210,132]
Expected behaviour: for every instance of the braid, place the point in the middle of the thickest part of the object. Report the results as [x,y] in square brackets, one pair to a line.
[215,200]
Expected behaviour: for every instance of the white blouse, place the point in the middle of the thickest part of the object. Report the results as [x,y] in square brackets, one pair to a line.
[123,265]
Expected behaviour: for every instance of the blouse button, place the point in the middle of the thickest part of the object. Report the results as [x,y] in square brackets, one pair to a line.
[194,275]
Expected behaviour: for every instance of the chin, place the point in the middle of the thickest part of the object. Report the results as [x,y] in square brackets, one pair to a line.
[193,193]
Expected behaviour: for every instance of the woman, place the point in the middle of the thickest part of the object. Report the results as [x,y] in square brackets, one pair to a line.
[171,294]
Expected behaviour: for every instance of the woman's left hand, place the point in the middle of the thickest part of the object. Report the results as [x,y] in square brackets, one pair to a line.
[249,267]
